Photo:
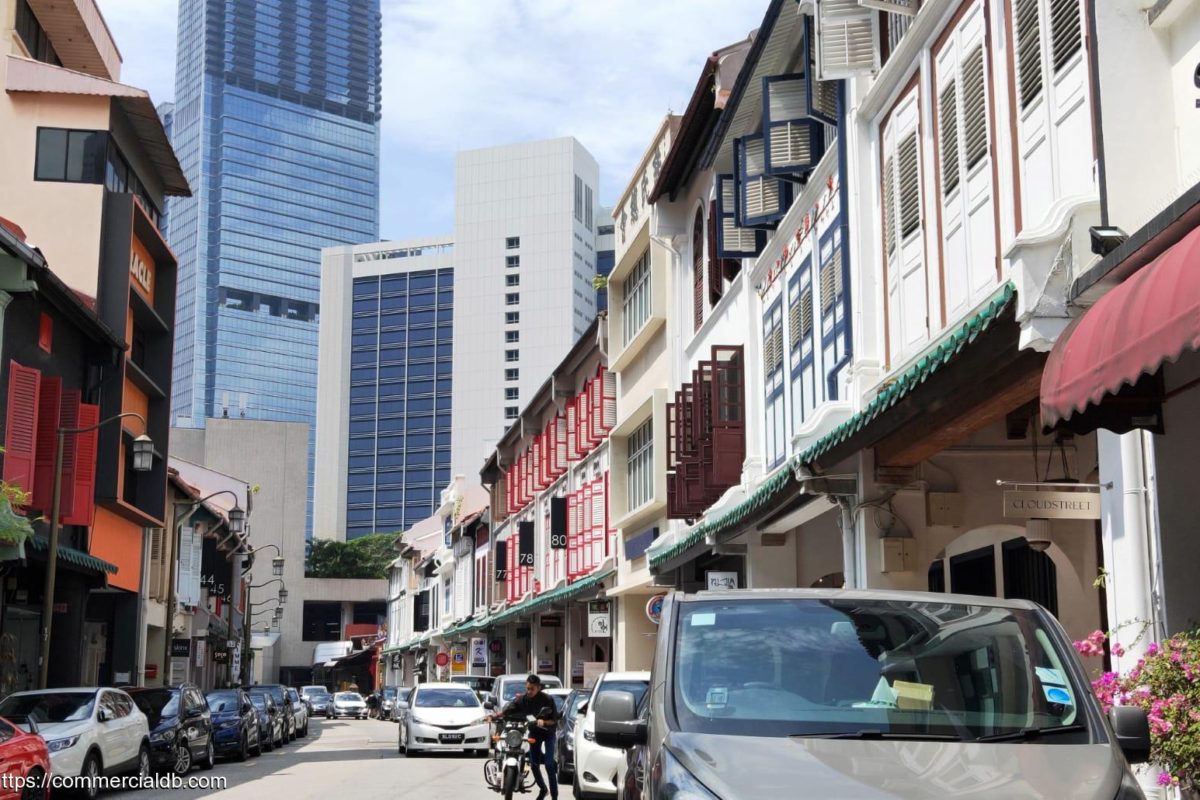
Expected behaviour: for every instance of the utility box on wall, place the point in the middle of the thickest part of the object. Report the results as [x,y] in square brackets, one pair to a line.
[944,508]
[896,554]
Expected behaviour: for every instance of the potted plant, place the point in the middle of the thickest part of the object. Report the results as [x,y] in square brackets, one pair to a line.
[15,527]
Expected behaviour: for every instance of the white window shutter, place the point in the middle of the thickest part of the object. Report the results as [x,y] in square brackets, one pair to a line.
[1066,31]
[734,241]
[974,104]
[1029,50]
[764,198]
[948,137]
[847,39]
[197,568]
[908,8]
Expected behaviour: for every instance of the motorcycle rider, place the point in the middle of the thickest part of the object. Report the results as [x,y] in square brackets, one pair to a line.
[539,705]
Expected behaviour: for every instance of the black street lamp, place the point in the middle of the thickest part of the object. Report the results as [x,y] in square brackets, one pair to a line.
[143,461]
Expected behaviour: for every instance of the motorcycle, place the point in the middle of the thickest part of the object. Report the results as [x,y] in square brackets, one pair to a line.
[507,770]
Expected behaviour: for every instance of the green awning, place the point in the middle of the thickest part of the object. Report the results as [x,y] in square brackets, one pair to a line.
[778,481]
[72,556]
[547,598]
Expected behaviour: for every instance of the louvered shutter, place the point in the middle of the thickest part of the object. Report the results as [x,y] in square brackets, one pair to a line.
[948,137]
[599,527]
[795,140]
[889,205]
[847,39]
[68,417]
[596,410]
[1066,31]
[156,562]
[908,8]
[21,426]
[1029,50]
[806,311]
[908,180]
[85,469]
[794,332]
[572,415]
[49,402]
[608,398]
[535,464]
[183,582]
[733,240]
[763,199]
[572,535]
[974,109]
[560,442]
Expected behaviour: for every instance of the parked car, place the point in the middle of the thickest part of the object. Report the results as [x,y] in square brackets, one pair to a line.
[88,731]
[400,707]
[871,693]
[181,730]
[480,684]
[509,686]
[317,698]
[235,723]
[564,754]
[347,704]
[299,711]
[444,716]
[279,694]
[24,758]
[271,722]
[595,767]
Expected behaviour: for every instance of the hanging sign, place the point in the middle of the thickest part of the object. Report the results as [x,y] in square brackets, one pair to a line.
[599,625]
[525,553]
[1051,505]
[442,659]
[501,561]
[558,523]
[479,652]
[496,646]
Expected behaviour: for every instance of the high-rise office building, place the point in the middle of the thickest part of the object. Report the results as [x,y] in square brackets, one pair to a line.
[606,254]
[276,122]
[385,378]
[525,257]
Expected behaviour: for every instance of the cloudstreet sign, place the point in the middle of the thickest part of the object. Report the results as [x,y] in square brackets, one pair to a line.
[1051,505]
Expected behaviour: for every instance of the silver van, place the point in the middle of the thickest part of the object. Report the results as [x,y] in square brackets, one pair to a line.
[866,694]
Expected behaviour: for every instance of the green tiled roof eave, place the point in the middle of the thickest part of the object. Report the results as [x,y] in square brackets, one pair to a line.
[915,375]
[73,556]
[543,600]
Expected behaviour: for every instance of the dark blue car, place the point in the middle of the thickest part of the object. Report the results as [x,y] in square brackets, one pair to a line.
[181,733]
[235,723]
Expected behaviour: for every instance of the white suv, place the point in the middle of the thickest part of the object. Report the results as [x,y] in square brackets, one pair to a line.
[88,731]
[596,767]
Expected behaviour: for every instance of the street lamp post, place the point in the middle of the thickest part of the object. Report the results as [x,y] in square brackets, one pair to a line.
[276,569]
[143,460]
[237,523]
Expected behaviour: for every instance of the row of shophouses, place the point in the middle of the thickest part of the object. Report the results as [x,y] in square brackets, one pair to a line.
[908,297]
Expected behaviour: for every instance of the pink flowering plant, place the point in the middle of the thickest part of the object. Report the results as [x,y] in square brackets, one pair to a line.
[1164,684]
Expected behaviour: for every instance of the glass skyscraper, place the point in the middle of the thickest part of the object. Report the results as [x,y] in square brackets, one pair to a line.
[276,123]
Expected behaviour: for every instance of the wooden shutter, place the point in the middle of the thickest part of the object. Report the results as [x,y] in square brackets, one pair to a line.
[1027,30]
[733,240]
[49,404]
[69,418]
[85,469]
[728,414]
[572,535]
[560,442]
[21,426]
[794,321]
[908,8]
[599,527]
[908,180]
[889,205]
[572,422]
[763,198]
[974,103]
[795,140]
[948,137]
[608,399]
[1066,31]
[156,563]
[847,39]
[806,311]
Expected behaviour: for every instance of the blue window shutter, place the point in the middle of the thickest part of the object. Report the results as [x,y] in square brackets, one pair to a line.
[733,240]
[763,199]
[794,140]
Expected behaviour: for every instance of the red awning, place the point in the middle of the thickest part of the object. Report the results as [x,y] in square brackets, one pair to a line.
[1151,318]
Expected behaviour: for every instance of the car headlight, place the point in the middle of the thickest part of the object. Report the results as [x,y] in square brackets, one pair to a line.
[674,782]
[591,737]
[163,736]
[480,721]
[54,745]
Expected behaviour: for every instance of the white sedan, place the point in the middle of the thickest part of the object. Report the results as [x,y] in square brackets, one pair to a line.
[88,731]
[596,767]
[346,704]
[444,716]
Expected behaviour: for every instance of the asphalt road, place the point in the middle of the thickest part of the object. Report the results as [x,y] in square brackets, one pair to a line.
[343,760]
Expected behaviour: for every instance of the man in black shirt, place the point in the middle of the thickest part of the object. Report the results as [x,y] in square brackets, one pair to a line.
[539,705]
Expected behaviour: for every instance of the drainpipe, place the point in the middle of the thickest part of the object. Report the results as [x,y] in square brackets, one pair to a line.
[1093,62]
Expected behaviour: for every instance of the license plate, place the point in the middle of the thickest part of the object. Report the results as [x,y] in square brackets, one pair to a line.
[450,738]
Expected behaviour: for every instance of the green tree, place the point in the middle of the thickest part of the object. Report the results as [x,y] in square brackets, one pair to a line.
[364,557]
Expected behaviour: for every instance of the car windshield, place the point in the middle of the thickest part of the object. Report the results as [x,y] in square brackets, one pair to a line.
[316,693]
[446,698]
[389,693]
[634,687]
[801,667]
[510,689]
[259,701]
[57,707]
[223,702]
[293,694]
[348,697]
[157,703]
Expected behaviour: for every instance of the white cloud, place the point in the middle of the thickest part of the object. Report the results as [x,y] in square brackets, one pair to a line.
[469,73]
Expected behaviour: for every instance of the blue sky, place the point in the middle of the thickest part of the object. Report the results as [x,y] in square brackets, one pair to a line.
[472,73]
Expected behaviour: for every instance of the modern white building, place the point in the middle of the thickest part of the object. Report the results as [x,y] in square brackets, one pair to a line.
[525,254]
[384,378]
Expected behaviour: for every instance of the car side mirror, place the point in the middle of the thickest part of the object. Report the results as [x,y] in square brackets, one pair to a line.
[617,724]
[489,704]
[194,712]
[1132,731]
[104,715]
[581,709]
[246,708]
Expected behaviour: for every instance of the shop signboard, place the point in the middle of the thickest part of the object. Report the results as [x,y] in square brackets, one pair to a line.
[599,623]
[478,652]
[458,660]
[181,648]
[1051,505]
[720,581]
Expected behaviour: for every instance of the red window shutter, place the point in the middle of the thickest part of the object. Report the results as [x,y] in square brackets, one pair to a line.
[47,442]
[46,332]
[716,283]
[21,426]
[85,469]
[68,417]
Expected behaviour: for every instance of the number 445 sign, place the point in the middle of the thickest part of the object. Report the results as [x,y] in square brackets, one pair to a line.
[599,619]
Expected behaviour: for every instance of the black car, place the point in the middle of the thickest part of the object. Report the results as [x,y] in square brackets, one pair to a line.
[181,728]
[270,719]
[235,723]
[564,753]
[279,693]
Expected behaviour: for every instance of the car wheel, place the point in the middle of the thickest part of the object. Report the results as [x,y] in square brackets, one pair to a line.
[400,742]
[91,774]
[210,755]
[244,748]
[258,748]
[183,759]
[35,788]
